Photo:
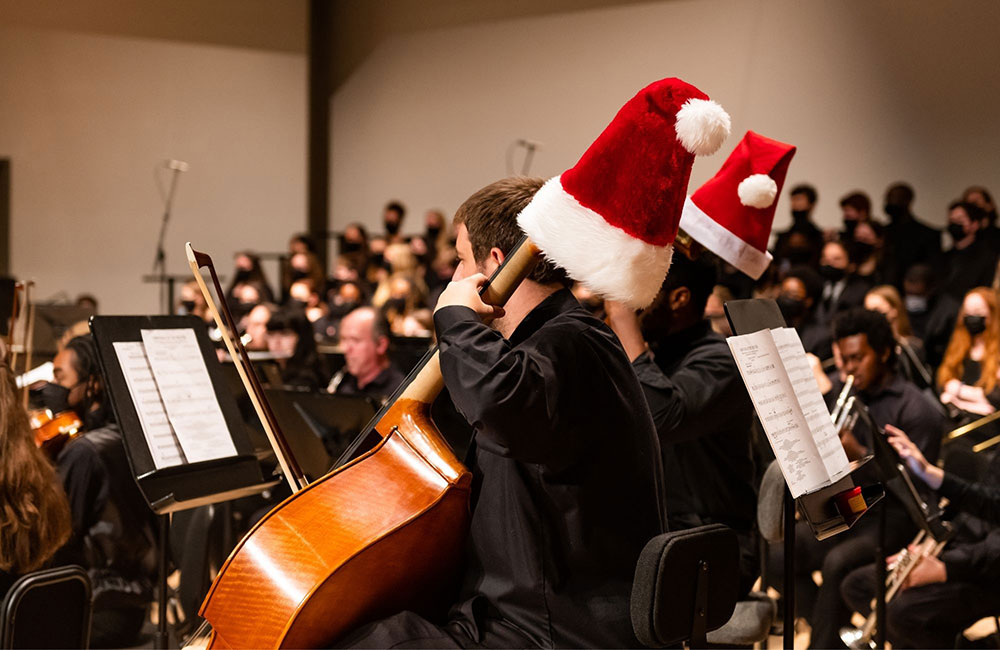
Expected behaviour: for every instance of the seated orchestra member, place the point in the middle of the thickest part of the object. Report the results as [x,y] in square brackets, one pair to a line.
[687,374]
[843,288]
[564,456]
[931,312]
[942,595]
[798,301]
[972,260]
[368,371]
[866,351]
[248,271]
[968,376]
[290,338]
[909,349]
[34,519]
[254,325]
[113,526]
[303,294]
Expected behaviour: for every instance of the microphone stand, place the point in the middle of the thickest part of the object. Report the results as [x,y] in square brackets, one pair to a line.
[160,262]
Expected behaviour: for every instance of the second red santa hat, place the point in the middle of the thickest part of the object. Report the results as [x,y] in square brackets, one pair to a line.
[731,214]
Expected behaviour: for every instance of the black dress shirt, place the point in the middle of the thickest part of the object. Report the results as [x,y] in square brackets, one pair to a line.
[378,389]
[703,417]
[566,473]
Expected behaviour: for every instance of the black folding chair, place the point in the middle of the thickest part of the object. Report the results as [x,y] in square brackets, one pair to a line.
[686,584]
[47,609]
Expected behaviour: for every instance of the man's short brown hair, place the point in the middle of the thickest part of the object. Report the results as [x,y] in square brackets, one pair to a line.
[490,217]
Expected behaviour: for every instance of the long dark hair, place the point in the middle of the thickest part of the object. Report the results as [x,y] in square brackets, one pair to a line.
[34,513]
[95,410]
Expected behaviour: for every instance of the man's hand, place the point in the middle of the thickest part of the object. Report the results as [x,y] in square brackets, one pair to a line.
[852,447]
[928,570]
[466,294]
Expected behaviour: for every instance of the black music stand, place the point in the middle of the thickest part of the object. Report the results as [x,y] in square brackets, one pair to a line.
[188,485]
[818,507]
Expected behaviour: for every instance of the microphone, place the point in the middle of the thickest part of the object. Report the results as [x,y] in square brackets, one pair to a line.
[529,144]
[177,165]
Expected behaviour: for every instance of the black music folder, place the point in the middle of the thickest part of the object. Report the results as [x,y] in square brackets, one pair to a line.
[184,438]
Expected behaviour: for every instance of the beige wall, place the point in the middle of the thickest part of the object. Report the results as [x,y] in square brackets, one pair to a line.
[870,91]
[85,119]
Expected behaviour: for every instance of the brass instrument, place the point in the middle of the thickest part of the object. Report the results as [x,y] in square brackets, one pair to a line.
[842,399]
[862,638]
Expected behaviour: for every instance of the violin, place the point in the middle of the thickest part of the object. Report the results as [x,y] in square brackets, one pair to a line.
[52,432]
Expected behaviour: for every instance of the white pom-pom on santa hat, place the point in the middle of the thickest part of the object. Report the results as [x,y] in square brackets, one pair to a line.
[702,126]
[757,191]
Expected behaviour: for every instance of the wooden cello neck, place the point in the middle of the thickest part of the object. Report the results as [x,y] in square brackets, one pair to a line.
[428,383]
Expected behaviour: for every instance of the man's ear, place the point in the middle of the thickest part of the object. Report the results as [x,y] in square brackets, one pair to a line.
[679,298]
[382,345]
[495,259]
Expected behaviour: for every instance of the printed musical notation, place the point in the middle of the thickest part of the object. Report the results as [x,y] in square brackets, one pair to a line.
[174,398]
[785,394]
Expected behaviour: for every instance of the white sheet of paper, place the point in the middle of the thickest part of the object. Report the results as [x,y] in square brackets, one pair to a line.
[163,444]
[817,415]
[187,394]
[777,407]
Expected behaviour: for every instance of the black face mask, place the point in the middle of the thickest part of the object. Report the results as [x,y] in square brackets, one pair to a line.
[351,247]
[832,273]
[974,324]
[187,306]
[54,397]
[297,304]
[791,308]
[957,231]
[298,274]
[850,227]
[863,250]
[392,227]
[378,259]
[397,305]
[242,275]
[799,255]
[800,216]
[894,211]
[433,232]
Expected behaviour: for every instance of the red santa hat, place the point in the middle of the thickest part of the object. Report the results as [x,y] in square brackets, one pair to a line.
[732,213]
[611,219]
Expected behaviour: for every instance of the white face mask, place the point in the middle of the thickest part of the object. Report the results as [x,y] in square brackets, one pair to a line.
[916,304]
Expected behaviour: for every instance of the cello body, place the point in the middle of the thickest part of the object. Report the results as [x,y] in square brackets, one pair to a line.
[355,546]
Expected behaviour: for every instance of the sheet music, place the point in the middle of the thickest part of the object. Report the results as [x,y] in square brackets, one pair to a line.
[160,438]
[777,405]
[187,394]
[817,415]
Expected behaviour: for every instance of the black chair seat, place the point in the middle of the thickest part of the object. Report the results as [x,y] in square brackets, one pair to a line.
[47,609]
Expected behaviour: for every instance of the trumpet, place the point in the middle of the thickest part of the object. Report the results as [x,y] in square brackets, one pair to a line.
[863,638]
[842,399]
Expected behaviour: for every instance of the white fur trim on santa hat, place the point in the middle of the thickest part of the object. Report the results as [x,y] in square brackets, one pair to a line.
[606,259]
[702,126]
[707,232]
[757,191]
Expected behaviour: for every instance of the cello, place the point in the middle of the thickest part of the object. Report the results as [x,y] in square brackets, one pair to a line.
[381,533]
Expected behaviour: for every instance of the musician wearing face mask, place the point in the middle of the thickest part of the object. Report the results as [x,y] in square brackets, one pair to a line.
[802,242]
[931,312]
[112,524]
[909,241]
[842,288]
[971,261]
[969,376]
[801,291]
[392,218]
[942,595]
[866,348]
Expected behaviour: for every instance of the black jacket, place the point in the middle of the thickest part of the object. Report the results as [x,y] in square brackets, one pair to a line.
[975,555]
[566,473]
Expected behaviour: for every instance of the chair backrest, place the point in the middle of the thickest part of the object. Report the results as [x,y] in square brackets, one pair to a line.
[47,609]
[771,504]
[686,583]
